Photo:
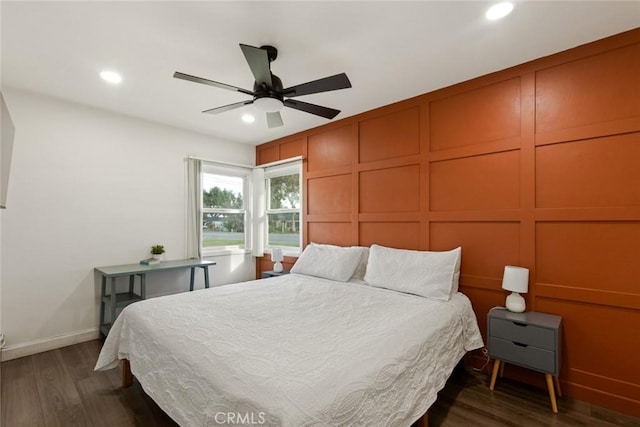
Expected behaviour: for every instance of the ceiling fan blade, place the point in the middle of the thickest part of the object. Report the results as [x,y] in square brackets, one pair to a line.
[318,110]
[195,79]
[229,107]
[274,120]
[339,81]
[258,61]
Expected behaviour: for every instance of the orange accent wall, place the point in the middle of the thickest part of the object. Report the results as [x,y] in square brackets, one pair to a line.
[537,165]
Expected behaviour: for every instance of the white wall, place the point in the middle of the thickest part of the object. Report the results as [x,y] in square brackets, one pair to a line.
[1,214]
[92,188]
[6,146]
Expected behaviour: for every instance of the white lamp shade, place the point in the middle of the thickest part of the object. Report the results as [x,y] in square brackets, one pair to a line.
[515,279]
[276,255]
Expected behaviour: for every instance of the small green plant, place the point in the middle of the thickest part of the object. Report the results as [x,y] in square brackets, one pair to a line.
[157,249]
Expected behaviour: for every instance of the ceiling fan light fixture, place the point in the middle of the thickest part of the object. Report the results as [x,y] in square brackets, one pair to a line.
[268,104]
[268,94]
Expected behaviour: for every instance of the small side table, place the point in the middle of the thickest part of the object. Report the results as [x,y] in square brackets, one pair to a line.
[530,340]
[121,300]
[271,273]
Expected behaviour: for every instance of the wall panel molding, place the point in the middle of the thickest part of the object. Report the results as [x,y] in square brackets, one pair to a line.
[476,215]
[329,195]
[589,91]
[537,166]
[478,282]
[343,170]
[489,113]
[620,300]
[329,217]
[479,149]
[595,382]
[268,154]
[401,127]
[616,127]
[485,182]
[392,234]
[394,189]
[609,213]
[389,163]
[389,217]
[599,351]
[598,172]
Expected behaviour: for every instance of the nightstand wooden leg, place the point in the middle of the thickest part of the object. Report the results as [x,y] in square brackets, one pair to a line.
[494,374]
[552,393]
[557,381]
[501,370]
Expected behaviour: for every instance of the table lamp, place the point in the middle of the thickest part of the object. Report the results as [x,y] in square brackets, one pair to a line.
[277,257]
[516,280]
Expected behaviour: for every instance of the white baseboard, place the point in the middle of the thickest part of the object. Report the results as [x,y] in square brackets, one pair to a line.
[38,346]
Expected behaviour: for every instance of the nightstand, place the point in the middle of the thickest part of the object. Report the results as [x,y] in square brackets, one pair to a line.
[531,340]
[271,273]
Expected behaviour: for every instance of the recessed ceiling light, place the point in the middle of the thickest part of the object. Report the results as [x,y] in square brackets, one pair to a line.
[111,77]
[499,10]
[248,118]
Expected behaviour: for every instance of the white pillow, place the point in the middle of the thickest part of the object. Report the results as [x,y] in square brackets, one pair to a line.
[328,261]
[361,269]
[428,274]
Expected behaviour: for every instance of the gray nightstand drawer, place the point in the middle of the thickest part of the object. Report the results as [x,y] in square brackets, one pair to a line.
[528,356]
[523,333]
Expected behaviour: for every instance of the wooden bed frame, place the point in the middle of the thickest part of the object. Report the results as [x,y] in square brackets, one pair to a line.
[127,380]
[127,376]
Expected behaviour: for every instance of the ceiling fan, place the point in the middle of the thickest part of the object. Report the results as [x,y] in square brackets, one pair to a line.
[268,93]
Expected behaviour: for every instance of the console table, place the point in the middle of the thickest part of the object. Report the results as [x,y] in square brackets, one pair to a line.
[120,300]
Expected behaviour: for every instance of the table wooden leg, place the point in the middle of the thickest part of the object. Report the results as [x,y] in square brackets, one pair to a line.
[552,394]
[103,294]
[206,276]
[557,381]
[502,369]
[143,286]
[132,281]
[193,278]
[494,374]
[113,300]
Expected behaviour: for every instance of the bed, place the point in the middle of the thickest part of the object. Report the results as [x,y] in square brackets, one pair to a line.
[294,350]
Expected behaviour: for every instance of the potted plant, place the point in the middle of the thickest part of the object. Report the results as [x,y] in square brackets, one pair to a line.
[157,251]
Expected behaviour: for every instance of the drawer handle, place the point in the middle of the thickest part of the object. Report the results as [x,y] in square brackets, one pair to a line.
[520,344]
[524,325]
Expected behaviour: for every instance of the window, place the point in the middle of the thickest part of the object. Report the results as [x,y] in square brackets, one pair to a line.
[284,200]
[225,219]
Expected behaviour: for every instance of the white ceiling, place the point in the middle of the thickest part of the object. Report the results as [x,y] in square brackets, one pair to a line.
[390,51]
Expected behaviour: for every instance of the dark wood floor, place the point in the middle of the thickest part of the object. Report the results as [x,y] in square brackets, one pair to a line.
[59,388]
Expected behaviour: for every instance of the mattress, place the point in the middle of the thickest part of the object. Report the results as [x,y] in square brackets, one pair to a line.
[293,351]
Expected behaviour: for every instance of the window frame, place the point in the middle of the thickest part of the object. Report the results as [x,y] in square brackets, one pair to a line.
[247,202]
[275,172]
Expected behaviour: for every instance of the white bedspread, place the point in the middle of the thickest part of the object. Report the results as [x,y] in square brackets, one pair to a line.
[293,351]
